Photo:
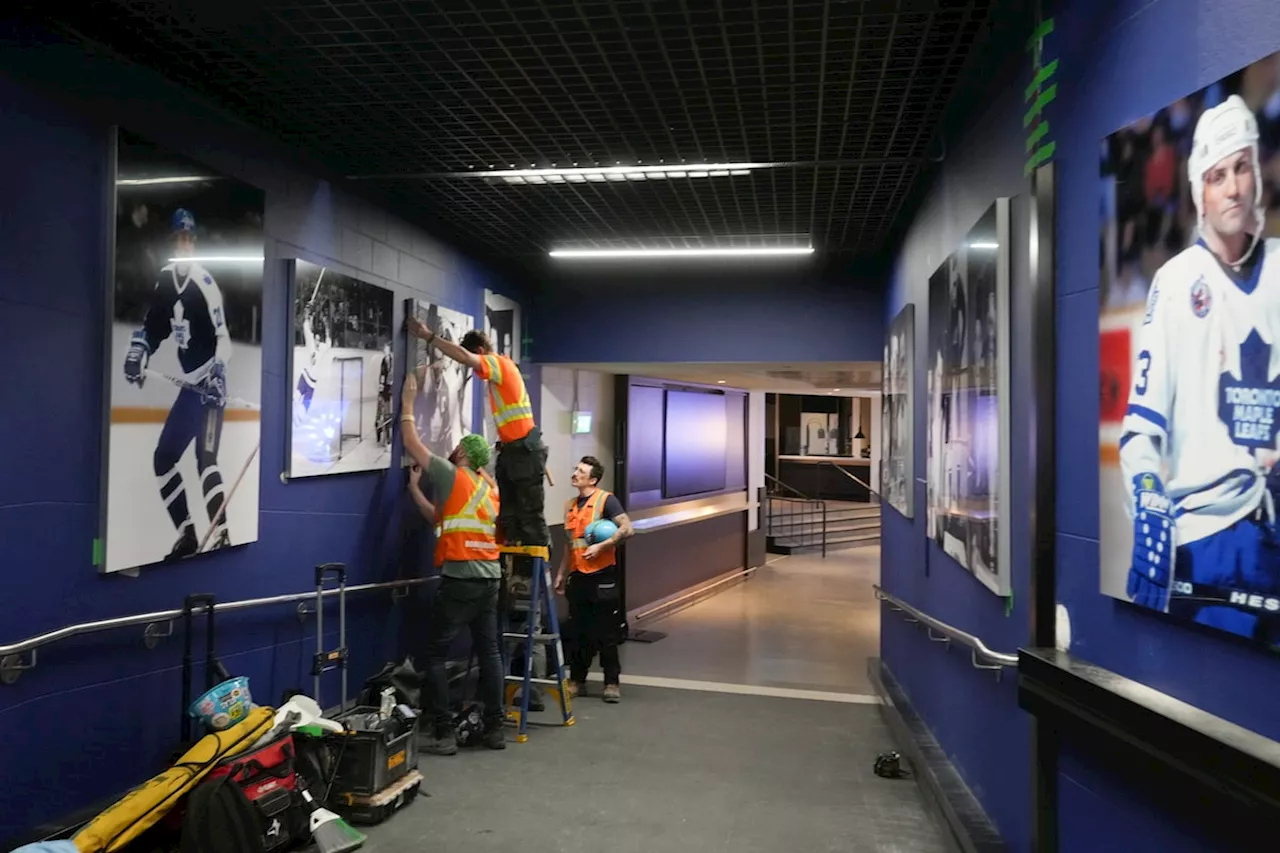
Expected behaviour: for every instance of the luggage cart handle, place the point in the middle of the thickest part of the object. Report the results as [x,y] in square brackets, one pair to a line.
[337,569]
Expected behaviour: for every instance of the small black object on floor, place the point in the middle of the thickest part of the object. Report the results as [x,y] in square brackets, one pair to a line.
[637,635]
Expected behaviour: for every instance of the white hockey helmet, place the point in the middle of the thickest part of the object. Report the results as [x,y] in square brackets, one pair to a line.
[1222,131]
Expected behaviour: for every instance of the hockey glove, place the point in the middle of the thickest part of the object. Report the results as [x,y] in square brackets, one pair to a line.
[135,360]
[1152,567]
[213,390]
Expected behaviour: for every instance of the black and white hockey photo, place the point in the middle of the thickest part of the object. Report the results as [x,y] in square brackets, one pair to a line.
[502,324]
[897,475]
[343,366]
[964,378]
[185,360]
[445,388]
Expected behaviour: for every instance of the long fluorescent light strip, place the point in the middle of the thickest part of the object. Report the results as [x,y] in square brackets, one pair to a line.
[217,259]
[177,179]
[678,253]
[615,170]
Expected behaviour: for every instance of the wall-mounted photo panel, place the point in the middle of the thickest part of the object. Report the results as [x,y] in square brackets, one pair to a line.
[445,388]
[341,369]
[184,359]
[502,325]
[897,414]
[968,394]
[1189,357]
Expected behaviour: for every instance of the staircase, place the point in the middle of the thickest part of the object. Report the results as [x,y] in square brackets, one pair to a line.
[796,527]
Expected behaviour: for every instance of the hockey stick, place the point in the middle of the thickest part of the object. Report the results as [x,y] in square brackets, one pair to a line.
[222,510]
[316,290]
[234,402]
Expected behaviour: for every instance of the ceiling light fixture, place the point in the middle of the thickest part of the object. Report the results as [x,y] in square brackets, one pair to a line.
[218,259]
[986,245]
[617,173]
[175,179]
[728,252]
[720,382]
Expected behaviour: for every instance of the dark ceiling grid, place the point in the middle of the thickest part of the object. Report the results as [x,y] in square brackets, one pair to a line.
[850,92]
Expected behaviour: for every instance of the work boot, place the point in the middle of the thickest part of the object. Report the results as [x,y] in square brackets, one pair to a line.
[576,688]
[441,743]
[494,736]
[612,694]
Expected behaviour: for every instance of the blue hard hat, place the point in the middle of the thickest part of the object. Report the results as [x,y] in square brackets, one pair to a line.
[182,220]
[600,531]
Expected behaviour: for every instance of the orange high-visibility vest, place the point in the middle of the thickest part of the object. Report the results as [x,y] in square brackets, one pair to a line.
[466,528]
[576,522]
[508,399]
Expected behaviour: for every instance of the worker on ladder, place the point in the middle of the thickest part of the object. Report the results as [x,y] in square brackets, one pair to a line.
[522,455]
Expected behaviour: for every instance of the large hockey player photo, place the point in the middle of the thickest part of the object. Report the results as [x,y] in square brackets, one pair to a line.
[502,324]
[967,390]
[1190,358]
[342,414]
[444,402]
[184,360]
[897,413]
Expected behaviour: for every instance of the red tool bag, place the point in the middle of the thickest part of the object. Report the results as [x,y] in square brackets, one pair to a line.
[269,781]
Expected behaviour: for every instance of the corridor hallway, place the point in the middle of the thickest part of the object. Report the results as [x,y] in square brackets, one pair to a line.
[699,756]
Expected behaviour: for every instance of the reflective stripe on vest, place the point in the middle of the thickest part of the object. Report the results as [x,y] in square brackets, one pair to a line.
[467,532]
[576,523]
[508,412]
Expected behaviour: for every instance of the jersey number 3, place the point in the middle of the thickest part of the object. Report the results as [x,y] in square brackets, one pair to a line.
[217,318]
[1144,365]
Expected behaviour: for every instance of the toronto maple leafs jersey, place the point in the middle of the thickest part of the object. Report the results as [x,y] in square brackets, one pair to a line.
[187,307]
[1204,398]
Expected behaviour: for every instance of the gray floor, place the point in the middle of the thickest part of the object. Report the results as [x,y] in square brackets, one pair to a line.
[685,769]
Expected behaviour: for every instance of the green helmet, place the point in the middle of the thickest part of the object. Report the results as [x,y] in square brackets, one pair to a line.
[476,449]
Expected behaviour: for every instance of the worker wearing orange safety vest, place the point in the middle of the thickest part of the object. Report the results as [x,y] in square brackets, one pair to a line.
[522,456]
[467,557]
[592,574]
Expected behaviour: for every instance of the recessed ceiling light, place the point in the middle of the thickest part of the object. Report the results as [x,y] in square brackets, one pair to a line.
[719,381]
[835,389]
[728,252]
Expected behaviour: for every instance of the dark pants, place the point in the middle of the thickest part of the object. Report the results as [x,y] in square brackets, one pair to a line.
[519,471]
[593,609]
[190,419]
[473,603]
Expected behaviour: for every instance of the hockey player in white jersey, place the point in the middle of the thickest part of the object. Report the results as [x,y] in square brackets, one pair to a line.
[1199,435]
[186,307]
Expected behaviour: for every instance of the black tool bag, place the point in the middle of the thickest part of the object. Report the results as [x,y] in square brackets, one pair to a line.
[401,676]
[220,819]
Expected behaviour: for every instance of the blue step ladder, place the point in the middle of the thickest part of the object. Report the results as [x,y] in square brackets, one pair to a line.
[541,593]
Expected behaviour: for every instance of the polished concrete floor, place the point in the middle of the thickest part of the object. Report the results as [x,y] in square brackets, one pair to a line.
[766,743]
[801,622]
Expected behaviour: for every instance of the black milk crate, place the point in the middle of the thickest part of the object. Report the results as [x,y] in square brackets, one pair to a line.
[369,761]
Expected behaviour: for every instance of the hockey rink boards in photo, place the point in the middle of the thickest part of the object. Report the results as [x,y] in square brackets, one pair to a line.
[967,391]
[342,366]
[183,369]
[446,389]
[897,413]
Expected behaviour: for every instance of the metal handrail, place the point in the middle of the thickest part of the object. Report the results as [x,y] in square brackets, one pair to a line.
[982,656]
[12,665]
[851,476]
[799,493]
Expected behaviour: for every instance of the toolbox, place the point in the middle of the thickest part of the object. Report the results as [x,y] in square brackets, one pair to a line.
[375,808]
[374,753]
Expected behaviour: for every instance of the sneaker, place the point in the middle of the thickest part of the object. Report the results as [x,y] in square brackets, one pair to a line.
[440,745]
[612,694]
[535,703]
[576,688]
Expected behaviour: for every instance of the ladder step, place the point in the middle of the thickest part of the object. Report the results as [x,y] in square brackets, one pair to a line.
[519,679]
[537,638]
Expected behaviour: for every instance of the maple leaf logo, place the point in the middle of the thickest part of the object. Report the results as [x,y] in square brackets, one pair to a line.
[1249,405]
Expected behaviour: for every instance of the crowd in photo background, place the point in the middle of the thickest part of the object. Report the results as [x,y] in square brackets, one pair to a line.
[1147,211]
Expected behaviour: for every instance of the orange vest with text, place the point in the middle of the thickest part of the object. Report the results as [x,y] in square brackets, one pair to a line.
[512,411]
[466,528]
[576,521]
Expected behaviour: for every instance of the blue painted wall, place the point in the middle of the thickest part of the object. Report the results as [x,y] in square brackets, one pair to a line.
[1119,61]
[710,311]
[102,713]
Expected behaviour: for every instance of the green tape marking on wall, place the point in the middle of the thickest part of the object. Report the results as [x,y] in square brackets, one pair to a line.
[1039,93]
[97,552]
